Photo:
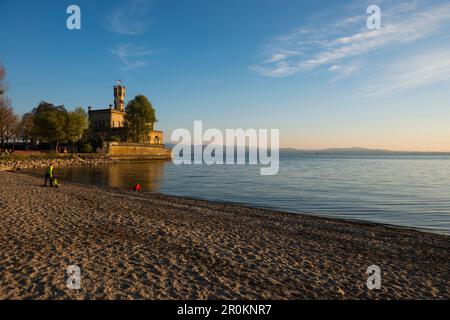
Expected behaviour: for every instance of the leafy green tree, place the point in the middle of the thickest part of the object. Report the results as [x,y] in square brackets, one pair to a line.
[50,123]
[115,139]
[77,124]
[86,148]
[139,118]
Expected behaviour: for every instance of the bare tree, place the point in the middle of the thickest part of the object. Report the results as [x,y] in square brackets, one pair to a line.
[12,130]
[25,128]
[8,121]
[2,77]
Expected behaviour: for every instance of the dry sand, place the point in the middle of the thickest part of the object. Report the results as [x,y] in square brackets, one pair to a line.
[150,246]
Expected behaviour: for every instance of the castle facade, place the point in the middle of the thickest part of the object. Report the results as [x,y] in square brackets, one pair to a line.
[109,124]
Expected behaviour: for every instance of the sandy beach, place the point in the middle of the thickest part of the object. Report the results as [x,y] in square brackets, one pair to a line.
[150,246]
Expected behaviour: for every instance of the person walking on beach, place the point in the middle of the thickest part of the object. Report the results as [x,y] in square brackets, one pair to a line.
[49,175]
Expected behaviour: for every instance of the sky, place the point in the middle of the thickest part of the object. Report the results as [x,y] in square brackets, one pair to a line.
[312,69]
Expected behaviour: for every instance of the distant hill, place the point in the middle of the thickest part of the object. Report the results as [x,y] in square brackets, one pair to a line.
[356,151]
[348,151]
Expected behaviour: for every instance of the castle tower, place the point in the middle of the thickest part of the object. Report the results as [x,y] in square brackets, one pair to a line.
[119,96]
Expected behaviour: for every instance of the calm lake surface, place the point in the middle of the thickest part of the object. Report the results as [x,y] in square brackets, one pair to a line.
[411,191]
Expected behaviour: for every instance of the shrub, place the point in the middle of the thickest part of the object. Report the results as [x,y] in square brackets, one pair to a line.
[86,148]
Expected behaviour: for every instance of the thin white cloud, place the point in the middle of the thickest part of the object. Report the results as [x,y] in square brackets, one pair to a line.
[349,21]
[133,57]
[412,72]
[282,55]
[130,18]
[307,49]
[344,71]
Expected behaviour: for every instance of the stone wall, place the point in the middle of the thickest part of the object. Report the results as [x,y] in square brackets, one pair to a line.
[156,137]
[125,150]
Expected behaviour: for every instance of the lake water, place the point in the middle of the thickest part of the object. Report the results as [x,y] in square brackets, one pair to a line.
[412,191]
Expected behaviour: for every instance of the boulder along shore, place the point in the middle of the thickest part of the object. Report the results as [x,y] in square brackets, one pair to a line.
[23,163]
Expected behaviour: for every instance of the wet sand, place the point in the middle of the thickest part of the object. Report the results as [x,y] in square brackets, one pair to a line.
[150,246]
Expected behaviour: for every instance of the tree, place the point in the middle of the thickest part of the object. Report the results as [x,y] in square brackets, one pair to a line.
[86,148]
[50,123]
[8,121]
[2,77]
[26,128]
[139,118]
[77,124]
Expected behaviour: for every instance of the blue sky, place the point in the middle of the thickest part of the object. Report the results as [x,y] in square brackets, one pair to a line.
[311,69]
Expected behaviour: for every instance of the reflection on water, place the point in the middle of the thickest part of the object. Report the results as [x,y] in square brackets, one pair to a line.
[408,191]
[123,176]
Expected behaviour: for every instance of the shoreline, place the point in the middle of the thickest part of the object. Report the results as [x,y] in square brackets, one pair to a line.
[246,205]
[273,210]
[14,164]
[154,246]
[17,163]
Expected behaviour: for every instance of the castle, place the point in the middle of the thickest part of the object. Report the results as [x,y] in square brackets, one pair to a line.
[109,124]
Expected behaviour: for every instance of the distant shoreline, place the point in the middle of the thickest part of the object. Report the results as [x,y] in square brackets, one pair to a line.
[346,151]
[151,246]
[362,152]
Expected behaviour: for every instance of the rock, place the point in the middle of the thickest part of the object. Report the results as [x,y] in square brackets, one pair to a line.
[41,163]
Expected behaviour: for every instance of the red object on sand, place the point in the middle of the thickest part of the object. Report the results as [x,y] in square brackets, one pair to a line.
[137,187]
